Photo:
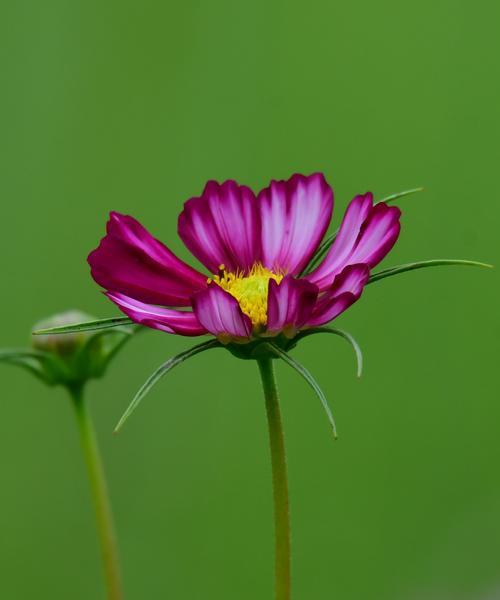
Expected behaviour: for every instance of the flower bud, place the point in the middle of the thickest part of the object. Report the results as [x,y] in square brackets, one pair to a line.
[71,359]
[64,345]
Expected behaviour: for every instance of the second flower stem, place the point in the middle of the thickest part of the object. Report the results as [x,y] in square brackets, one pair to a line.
[280,481]
[100,497]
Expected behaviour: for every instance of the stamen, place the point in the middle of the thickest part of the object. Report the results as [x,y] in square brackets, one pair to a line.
[250,290]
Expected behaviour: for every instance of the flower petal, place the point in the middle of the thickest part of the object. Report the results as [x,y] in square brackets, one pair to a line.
[220,313]
[289,304]
[295,215]
[366,235]
[131,261]
[346,289]
[331,309]
[380,232]
[222,226]
[157,317]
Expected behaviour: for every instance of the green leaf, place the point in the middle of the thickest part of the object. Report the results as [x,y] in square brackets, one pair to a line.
[310,380]
[398,195]
[160,372]
[344,334]
[10,354]
[88,326]
[325,246]
[44,366]
[425,263]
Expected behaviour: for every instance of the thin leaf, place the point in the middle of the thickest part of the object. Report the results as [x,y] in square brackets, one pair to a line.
[325,246]
[9,354]
[425,263]
[41,364]
[392,197]
[88,326]
[160,372]
[310,380]
[344,334]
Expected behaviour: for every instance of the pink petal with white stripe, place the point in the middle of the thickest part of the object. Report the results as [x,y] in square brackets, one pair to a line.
[346,289]
[222,227]
[220,313]
[295,215]
[156,317]
[131,261]
[289,304]
[366,235]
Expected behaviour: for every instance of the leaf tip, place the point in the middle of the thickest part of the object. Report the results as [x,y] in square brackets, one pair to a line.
[118,426]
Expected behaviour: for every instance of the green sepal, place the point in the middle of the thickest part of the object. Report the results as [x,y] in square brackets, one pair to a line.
[86,326]
[93,358]
[438,262]
[309,378]
[258,348]
[47,367]
[160,372]
[332,330]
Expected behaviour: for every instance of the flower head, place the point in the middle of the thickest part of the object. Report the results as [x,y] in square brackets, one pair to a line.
[255,248]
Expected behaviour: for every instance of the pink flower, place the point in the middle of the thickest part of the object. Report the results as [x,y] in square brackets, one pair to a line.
[254,248]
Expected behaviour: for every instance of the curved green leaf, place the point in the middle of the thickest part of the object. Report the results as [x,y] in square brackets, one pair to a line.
[41,364]
[160,372]
[423,264]
[310,380]
[344,334]
[9,354]
[88,326]
[325,245]
[398,195]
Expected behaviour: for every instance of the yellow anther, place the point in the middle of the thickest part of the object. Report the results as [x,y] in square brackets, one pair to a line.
[250,290]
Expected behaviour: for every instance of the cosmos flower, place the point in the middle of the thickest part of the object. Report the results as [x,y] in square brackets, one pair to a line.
[270,281]
[255,249]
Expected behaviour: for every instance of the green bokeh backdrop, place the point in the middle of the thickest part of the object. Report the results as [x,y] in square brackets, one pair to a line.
[133,106]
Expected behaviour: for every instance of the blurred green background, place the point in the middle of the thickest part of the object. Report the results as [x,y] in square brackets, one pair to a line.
[133,106]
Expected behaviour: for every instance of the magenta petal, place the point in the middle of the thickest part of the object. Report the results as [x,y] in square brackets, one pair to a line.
[166,319]
[366,235]
[290,304]
[331,309]
[295,215]
[220,313]
[379,235]
[352,279]
[131,261]
[222,227]
[345,290]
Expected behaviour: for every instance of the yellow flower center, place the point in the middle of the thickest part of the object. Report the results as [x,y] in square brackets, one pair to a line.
[250,290]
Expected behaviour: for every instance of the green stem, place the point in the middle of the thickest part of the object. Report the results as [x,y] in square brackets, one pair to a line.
[280,483]
[100,497]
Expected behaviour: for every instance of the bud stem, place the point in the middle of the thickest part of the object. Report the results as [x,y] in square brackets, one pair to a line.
[100,496]
[280,482]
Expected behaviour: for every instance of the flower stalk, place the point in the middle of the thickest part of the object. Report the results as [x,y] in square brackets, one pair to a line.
[100,496]
[280,481]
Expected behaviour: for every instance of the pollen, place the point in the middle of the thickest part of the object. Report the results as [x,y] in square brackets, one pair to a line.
[249,289]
